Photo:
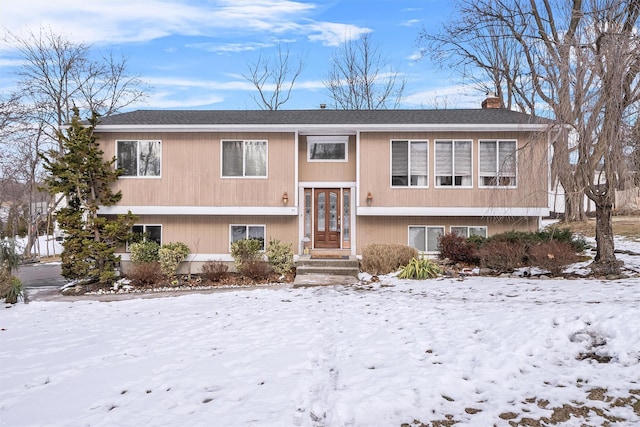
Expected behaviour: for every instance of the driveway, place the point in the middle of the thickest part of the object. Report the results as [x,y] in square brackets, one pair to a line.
[41,279]
[39,275]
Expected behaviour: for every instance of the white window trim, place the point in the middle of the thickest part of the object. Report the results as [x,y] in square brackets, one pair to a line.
[332,139]
[468,227]
[453,150]
[137,175]
[442,227]
[243,176]
[264,226]
[144,227]
[497,141]
[409,141]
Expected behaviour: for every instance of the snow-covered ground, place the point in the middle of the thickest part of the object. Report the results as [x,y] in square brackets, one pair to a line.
[381,354]
[44,246]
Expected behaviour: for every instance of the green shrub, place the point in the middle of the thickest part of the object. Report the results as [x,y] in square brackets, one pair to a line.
[255,269]
[144,251]
[214,270]
[476,241]
[378,258]
[507,251]
[530,238]
[457,248]
[245,250]
[171,255]
[280,256]
[9,259]
[145,273]
[503,255]
[577,243]
[420,268]
[10,288]
[553,256]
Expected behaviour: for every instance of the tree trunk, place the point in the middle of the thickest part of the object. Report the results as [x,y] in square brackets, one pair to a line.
[605,262]
[574,207]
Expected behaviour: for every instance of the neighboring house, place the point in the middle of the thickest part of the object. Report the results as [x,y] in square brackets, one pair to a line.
[327,180]
[626,201]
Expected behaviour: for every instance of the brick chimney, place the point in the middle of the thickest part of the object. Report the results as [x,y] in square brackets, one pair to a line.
[492,101]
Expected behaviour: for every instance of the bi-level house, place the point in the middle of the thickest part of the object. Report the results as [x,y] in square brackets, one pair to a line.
[327,180]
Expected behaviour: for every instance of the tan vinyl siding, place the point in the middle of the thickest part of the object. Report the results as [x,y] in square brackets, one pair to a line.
[327,171]
[396,229]
[210,234]
[191,171]
[375,173]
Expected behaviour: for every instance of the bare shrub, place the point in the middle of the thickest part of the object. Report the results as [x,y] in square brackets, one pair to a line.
[378,258]
[552,256]
[255,269]
[502,255]
[145,273]
[457,248]
[214,270]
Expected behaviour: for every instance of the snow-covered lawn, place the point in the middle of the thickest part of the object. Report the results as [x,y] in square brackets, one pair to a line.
[479,350]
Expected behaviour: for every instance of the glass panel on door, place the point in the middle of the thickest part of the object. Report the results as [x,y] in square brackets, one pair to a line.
[321,211]
[333,211]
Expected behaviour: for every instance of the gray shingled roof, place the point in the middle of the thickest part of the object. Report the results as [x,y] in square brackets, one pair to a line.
[321,117]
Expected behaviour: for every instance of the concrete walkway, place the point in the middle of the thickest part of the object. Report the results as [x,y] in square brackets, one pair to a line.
[323,280]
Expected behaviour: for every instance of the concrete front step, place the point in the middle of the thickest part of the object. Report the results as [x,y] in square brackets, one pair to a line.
[349,261]
[323,280]
[327,270]
[347,266]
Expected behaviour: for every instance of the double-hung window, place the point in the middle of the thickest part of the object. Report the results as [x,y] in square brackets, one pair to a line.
[146,232]
[244,159]
[425,238]
[409,163]
[250,232]
[498,163]
[465,231]
[138,158]
[453,164]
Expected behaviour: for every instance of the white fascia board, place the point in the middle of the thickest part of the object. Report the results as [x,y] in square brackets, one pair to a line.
[327,184]
[453,211]
[325,129]
[199,210]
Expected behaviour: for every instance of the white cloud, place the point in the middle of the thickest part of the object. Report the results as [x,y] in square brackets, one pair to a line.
[448,96]
[164,100]
[182,83]
[333,34]
[120,21]
[228,47]
[410,22]
[415,56]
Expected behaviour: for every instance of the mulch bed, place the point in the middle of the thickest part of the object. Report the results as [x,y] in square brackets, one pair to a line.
[184,283]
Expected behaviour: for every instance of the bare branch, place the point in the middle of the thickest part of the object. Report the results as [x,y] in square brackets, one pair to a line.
[274,78]
[360,78]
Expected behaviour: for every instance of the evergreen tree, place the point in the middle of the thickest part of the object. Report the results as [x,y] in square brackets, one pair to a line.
[82,175]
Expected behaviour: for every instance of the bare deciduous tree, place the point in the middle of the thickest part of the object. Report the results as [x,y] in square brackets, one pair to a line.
[361,78]
[274,78]
[477,46]
[580,58]
[57,75]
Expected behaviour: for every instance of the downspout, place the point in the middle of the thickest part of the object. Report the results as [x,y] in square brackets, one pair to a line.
[356,205]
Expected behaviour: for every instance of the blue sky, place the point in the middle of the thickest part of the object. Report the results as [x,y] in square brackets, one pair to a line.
[193,52]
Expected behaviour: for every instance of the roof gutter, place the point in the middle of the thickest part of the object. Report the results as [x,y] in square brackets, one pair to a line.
[323,128]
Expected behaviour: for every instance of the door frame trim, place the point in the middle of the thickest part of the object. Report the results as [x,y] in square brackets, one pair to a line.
[340,185]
